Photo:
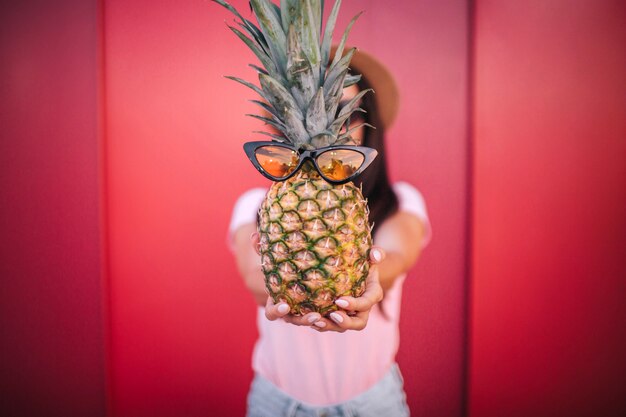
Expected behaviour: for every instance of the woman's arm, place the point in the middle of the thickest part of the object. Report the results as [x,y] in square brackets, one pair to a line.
[401,237]
[248,263]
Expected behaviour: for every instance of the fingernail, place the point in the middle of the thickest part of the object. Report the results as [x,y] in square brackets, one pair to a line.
[378,256]
[342,303]
[252,234]
[283,308]
[336,317]
[313,318]
[320,324]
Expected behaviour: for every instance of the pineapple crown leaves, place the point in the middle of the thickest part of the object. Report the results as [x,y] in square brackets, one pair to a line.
[300,85]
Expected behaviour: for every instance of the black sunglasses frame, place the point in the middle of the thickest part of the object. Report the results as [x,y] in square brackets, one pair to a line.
[368,153]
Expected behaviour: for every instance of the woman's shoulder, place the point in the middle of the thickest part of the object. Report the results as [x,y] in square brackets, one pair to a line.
[246,207]
[244,212]
[410,198]
[252,195]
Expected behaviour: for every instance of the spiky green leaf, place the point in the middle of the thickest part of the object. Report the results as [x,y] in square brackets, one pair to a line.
[258,38]
[295,131]
[269,109]
[258,69]
[348,133]
[338,123]
[274,136]
[328,36]
[323,140]
[317,7]
[351,80]
[271,26]
[276,9]
[338,69]
[299,72]
[300,99]
[289,9]
[353,104]
[267,120]
[252,29]
[334,95]
[263,57]
[342,43]
[279,97]
[343,116]
[307,28]
[247,84]
[316,120]
[344,140]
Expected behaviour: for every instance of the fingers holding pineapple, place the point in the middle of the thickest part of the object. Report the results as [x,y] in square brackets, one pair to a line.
[254,238]
[281,311]
[354,311]
[373,290]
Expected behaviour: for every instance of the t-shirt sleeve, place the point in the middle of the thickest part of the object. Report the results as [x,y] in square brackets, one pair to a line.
[412,201]
[244,212]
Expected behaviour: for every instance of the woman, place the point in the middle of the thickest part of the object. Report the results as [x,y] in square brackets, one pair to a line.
[307,365]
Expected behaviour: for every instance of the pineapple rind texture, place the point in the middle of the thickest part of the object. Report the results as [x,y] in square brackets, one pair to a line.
[314,243]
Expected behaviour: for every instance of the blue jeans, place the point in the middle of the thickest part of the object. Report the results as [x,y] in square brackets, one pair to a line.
[386,398]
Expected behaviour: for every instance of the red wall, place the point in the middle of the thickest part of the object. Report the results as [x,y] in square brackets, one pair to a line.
[182,323]
[548,221]
[51,319]
[549,224]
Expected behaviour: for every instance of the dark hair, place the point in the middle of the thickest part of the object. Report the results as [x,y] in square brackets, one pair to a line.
[382,200]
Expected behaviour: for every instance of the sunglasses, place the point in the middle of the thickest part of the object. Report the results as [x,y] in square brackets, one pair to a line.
[336,164]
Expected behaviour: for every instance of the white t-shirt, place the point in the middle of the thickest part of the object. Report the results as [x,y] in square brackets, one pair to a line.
[327,368]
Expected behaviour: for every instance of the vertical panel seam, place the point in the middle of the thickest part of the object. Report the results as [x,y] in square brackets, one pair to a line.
[469,229]
[103,171]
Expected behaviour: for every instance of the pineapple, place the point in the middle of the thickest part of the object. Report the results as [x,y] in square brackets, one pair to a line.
[314,236]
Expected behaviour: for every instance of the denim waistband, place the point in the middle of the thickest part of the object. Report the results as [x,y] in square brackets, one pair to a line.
[385,398]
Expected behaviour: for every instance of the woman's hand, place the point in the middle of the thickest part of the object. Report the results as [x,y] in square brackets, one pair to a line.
[353,312]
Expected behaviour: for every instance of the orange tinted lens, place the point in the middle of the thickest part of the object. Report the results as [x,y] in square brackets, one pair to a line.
[339,164]
[276,160]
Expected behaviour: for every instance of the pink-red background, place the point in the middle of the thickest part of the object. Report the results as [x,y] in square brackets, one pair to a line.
[182,322]
[121,157]
[548,275]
